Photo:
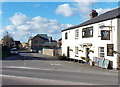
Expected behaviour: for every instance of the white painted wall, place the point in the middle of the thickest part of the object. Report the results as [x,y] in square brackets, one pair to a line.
[118,35]
[95,40]
[118,41]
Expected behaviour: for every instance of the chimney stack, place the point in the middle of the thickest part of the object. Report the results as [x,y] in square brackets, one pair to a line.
[50,39]
[93,14]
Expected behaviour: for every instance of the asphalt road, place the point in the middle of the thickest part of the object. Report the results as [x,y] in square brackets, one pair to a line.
[37,69]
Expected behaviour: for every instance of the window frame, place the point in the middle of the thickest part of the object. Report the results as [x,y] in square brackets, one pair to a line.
[76,51]
[101,51]
[66,35]
[77,34]
[86,34]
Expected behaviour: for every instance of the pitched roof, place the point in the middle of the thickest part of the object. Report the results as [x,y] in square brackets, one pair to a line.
[115,13]
[43,36]
[60,39]
[17,42]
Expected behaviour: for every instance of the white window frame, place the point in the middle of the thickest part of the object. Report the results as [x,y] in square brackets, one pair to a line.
[101,50]
[76,51]
[77,34]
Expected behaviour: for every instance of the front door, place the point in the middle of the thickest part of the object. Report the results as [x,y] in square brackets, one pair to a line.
[87,54]
[68,51]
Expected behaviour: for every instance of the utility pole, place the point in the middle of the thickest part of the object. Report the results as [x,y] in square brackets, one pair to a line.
[7,40]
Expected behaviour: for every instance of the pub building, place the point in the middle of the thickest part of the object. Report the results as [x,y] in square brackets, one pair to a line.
[96,41]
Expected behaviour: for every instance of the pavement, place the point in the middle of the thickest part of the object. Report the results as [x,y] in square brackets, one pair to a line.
[48,70]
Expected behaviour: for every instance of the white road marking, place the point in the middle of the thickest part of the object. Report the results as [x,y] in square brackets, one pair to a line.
[55,64]
[48,81]
[25,67]
[48,69]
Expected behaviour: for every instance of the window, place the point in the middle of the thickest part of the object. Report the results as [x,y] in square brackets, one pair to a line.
[101,52]
[77,34]
[105,35]
[66,35]
[76,51]
[87,32]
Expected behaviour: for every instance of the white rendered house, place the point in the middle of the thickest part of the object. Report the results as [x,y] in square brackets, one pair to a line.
[97,39]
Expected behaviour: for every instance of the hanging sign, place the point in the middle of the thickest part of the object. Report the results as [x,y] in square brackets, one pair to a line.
[105,35]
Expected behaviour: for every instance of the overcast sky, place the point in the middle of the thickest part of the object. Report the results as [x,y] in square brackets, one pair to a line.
[25,19]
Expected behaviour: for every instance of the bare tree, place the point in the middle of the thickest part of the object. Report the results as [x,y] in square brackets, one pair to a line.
[7,40]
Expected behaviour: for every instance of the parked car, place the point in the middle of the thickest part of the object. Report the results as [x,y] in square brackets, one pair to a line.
[14,51]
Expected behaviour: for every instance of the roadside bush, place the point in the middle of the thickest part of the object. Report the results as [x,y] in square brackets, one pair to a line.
[5,51]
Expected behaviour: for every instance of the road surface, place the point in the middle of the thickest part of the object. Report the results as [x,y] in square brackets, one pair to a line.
[37,69]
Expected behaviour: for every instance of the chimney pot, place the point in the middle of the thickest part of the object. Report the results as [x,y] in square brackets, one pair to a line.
[93,14]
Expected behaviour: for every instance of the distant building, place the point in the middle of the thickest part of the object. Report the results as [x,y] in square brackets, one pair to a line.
[39,42]
[25,45]
[1,42]
[17,44]
[97,40]
[59,43]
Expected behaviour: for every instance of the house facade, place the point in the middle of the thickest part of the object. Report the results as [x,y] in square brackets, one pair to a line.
[59,43]
[36,43]
[24,45]
[1,42]
[97,40]
[40,41]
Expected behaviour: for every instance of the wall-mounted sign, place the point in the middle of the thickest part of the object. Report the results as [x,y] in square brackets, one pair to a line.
[110,48]
[105,35]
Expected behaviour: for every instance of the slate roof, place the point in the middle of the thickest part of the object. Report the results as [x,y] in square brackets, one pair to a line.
[42,36]
[115,13]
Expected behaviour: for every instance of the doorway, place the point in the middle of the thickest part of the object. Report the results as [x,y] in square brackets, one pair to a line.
[68,51]
[87,54]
